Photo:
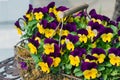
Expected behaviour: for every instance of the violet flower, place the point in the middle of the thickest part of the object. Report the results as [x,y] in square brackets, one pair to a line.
[72,38]
[47,59]
[82,31]
[97,51]
[23,65]
[88,65]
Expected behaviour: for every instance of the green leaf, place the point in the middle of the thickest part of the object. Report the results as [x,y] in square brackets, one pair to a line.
[101,68]
[114,28]
[114,73]
[49,18]
[108,64]
[78,74]
[68,66]
[35,58]
[105,76]
[73,33]
[76,70]
[67,71]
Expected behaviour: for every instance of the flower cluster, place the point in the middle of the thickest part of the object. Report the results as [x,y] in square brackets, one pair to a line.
[84,47]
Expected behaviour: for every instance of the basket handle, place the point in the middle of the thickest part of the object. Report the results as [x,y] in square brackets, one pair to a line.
[73,10]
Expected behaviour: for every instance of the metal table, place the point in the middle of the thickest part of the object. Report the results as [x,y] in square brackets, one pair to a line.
[8,70]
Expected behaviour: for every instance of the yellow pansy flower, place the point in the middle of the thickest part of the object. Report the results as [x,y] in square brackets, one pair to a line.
[49,33]
[91,33]
[94,45]
[106,37]
[114,60]
[29,16]
[19,31]
[44,67]
[48,48]
[40,28]
[100,58]
[74,60]
[37,38]
[69,45]
[82,38]
[64,33]
[96,20]
[90,74]
[32,48]
[38,16]
[56,61]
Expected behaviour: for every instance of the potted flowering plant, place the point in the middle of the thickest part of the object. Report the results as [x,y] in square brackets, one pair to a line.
[79,46]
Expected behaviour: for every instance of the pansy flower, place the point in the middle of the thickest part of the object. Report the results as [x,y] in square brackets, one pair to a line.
[91,33]
[82,33]
[114,55]
[99,53]
[107,34]
[70,41]
[38,13]
[75,56]
[89,70]
[28,15]
[46,63]
[17,25]
[90,58]
[23,65]
[33,44]
[96,17]
[56,61]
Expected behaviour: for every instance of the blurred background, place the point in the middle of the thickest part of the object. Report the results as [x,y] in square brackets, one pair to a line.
[11,10]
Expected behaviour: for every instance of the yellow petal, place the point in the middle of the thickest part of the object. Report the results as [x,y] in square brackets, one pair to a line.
[74,60]
[56,61]
[38,16]
[70,45]
[33,49]
[19,31]
[44,67]
[83,38]
[48,48]
[49,33]
[40,28]
[37,38]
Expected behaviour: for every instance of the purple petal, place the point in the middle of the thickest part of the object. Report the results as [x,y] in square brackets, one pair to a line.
[17,24]
[44,23]
[23,65]
[105,18]
[92,12]
[51,5]
[82,31]
[48,40]
[97,51]
[88,66]
[119,32]
[30,9]
[62,8]
[91,57]
[118,19]
[72,38]
[37,10]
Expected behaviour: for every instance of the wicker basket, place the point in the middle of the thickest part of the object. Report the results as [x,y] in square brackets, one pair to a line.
[31,73]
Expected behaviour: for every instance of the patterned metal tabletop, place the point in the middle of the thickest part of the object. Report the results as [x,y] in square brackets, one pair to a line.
[8,70]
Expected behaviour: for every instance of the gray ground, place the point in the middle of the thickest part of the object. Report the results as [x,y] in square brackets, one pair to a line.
[10,11]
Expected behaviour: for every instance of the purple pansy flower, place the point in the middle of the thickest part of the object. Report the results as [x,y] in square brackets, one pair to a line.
[50,41]
[82,31]
[72,38]
[97,51]
[56,52]
[70,27]
[23,65]
[30,9]
[17,24]
[105,18]
[47,59]
[37,10]
[44,23]
[53,25]
[113,23]
[62,8]
[115,51]
[51,5]
[33,41]
[88,65]
[90,57]
[78,52]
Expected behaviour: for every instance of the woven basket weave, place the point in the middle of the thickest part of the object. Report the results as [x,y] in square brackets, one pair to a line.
[22,54]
